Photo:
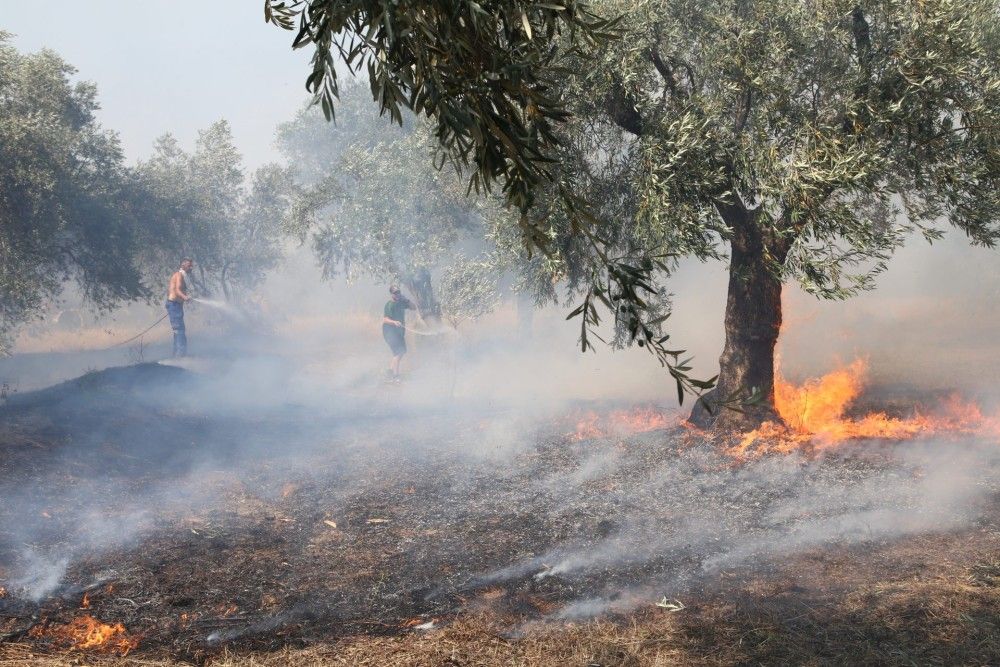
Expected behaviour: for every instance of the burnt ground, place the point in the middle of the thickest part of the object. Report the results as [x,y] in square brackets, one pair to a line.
[217,523]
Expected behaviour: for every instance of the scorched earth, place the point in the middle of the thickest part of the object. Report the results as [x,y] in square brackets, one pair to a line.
[256,513]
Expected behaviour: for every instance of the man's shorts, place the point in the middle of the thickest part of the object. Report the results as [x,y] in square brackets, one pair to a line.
[394,336]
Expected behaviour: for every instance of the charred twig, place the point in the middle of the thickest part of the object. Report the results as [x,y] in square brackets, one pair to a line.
[18,634]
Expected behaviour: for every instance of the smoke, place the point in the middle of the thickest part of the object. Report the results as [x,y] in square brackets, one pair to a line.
[150,441]
[40,574]
[695,515]
[296,396]
[482,419]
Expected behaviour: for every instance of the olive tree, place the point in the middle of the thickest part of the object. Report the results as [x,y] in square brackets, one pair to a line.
[209,212]
[65,194]
[372,203]
[797,140]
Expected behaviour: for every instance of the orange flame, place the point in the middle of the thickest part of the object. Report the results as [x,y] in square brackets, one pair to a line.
[814,413]
[85,602]
[86,632]
[620,422]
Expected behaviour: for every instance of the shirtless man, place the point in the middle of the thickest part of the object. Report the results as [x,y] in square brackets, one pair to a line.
[177,294]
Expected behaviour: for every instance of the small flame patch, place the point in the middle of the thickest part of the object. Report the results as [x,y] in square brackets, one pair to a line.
[88,633]
[620,422]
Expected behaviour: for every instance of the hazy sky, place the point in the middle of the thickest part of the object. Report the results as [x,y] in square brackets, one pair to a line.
[172,65]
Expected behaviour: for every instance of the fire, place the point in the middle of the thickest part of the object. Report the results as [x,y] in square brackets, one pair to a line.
[620,422]
[814,413]
[587,427]
[85,602]
[86,632]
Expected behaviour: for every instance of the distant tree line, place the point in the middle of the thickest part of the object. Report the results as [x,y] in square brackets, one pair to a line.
[72,211]
[68,205]
[368,199]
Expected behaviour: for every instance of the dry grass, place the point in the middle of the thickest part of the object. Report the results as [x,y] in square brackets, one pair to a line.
[87,338]
[18,655]
[942,620]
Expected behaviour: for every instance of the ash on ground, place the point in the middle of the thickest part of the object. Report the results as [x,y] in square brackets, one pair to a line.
[277,520]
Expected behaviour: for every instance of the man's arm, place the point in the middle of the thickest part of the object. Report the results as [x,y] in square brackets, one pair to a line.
[388,320]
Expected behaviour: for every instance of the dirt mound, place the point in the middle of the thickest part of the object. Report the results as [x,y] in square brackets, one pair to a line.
[118,383]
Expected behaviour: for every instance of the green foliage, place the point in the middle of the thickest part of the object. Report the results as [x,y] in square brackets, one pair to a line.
[65,199]
[843,127]
[233,232]
[469,289]
[372,204]
[480,71]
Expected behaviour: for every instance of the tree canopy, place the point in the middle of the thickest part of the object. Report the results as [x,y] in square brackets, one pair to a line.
[232,229]
[66,210]
[481,72]
[801,140]
[844,126]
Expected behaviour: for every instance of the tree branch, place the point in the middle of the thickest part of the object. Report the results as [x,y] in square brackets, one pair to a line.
[744,115]
[664,69]
[620,105]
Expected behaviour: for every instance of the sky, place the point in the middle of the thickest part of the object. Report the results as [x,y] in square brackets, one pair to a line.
[172,65]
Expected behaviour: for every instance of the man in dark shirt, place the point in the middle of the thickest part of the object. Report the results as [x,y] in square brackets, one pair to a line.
[394,329]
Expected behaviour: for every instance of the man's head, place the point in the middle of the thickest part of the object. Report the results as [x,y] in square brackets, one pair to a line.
[187,264]
[395,293]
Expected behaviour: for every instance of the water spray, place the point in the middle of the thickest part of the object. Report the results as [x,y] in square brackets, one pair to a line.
[437,332]
[227,308]
[220,305]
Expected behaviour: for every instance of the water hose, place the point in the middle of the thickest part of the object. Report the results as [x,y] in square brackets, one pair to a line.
[140,334]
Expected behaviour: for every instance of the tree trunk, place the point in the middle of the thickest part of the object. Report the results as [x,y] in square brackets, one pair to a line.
[422,291]
[753,320]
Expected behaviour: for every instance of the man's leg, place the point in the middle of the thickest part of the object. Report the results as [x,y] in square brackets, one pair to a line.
[180,340]
[176,313]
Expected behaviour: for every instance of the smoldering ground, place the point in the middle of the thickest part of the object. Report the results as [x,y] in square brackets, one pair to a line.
[273,489]
[281,492]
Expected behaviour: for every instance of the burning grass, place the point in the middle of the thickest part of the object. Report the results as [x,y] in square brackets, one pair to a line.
[87,633]
[593,424]
[815,416]
[338,538]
